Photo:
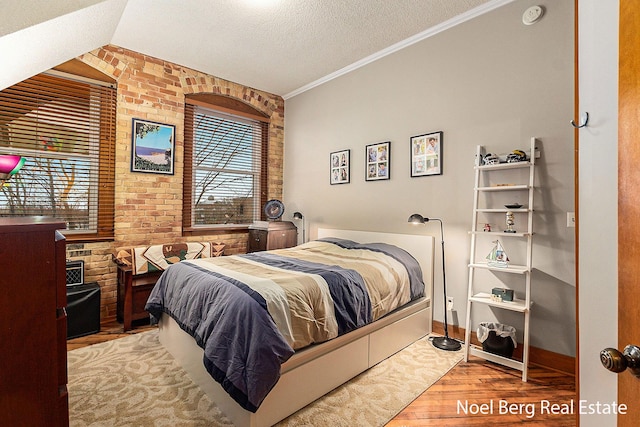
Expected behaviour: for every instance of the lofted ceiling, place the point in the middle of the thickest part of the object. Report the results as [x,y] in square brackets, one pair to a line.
[279,46]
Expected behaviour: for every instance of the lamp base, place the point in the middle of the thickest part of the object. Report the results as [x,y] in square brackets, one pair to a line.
[446,343]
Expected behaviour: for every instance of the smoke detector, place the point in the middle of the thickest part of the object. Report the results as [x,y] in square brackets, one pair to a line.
[532,15]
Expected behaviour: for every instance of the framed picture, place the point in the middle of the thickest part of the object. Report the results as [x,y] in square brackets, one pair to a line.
[340,167]
[378,161]
[152,147]
[426,154]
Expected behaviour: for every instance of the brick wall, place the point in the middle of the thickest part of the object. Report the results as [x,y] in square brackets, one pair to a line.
[149,206]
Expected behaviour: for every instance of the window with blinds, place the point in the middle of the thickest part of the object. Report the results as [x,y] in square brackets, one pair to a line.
[65,129]
[225,168]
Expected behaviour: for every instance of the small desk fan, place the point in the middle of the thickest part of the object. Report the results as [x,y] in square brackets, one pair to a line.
[273,209]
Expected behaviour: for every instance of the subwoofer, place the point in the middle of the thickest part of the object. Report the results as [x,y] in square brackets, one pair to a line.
[83,310]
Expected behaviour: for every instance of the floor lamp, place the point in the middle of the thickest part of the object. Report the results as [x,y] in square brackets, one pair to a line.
[298,215]
[443,343]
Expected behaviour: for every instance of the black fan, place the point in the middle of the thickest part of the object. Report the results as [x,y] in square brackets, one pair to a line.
[274,209]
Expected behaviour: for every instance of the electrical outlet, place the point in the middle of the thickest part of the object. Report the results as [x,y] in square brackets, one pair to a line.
[449,303]
[571,219]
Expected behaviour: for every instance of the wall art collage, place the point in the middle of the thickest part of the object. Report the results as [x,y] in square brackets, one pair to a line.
[426,159]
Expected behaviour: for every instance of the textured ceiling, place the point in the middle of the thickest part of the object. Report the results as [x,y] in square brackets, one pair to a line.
[280,46]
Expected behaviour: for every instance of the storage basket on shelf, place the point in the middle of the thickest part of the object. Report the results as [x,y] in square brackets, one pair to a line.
[497,338]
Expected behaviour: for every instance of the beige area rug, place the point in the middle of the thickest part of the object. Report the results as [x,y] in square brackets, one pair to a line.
[134,381]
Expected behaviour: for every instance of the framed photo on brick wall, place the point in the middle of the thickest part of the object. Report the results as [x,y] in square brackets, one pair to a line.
[152,147]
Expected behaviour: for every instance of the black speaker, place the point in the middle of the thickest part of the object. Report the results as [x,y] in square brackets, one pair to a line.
[83,310]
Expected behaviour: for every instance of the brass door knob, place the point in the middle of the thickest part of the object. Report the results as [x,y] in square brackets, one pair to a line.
[617,362]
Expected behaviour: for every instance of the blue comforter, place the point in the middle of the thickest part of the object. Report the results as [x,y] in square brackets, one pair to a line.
[251,312]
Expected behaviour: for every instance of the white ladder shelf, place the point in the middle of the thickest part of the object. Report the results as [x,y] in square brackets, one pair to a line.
[479,294]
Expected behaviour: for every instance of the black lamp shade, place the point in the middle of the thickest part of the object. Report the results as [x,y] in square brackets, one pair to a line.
[417,219]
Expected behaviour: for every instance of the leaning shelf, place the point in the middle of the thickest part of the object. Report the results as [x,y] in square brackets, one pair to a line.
[477,292]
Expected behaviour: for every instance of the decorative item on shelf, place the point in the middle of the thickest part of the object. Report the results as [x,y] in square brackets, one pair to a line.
[517,156]
[513,206]
[501,294]
[443,343]
[490,159]
[510,222]
[487,228]
[497,257]
[9,166]
[273,209]
[298,215]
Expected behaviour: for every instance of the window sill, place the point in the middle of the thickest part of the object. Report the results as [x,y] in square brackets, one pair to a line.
[204,231]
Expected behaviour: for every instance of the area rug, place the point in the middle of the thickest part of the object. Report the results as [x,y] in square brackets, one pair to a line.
[134,381]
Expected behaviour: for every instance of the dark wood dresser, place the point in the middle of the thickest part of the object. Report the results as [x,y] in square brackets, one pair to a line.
[266,236]
[33,323]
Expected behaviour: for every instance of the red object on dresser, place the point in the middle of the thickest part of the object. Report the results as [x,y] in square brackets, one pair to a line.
[33,323]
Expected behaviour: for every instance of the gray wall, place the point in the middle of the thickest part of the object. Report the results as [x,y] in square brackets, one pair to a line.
[490,81]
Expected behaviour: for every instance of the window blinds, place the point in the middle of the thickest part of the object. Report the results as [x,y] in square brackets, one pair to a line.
[65,129]
[226,166]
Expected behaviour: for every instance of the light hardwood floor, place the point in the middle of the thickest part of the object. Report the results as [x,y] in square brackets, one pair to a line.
[506,399]
[496,395]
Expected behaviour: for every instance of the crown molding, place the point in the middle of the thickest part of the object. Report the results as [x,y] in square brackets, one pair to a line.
[473,13]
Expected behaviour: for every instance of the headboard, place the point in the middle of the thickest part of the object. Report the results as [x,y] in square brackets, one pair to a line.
[420,246]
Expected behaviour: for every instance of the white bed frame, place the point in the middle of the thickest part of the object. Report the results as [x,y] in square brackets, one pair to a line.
[314,371]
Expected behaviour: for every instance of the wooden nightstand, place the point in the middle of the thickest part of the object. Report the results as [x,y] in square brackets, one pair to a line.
[133,292]
[269,235]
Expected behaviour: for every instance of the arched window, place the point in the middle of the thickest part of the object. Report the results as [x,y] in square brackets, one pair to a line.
[225,171]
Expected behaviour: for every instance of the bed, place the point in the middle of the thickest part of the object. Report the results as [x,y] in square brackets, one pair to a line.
[310,358]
